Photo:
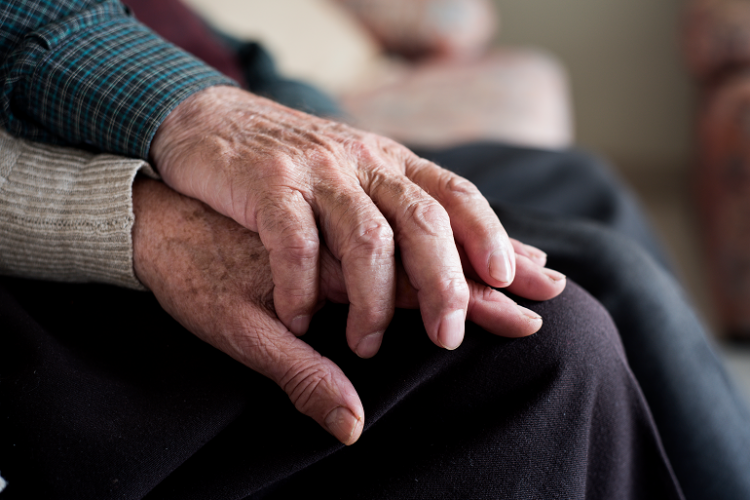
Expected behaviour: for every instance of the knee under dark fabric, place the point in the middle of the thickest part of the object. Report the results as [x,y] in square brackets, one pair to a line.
[698,410]
[594,231]
[101,404]
[90,343]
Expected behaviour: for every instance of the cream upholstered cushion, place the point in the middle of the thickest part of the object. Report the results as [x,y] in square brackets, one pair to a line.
[314,40]
[519,97]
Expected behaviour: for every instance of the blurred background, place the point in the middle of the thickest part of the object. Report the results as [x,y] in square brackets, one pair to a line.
[609,76]
[636,103]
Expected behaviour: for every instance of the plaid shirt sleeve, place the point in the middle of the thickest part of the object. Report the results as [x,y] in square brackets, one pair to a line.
[86,73]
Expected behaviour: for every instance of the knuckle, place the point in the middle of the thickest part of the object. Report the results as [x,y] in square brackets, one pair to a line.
[382,179]
[420,168]
[285,229]
[359,148]
[278,168]
[373,237]
[458,186]
[327,157]
[371,161]
[454,289]
[299,247]
[304,383]
[378,151]
[392,147]
[281,204]
[429,217]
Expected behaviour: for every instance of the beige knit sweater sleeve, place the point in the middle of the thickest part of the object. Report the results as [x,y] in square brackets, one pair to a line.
[65,214]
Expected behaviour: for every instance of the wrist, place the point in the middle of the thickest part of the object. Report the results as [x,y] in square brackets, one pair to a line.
[193,115]
[145,197]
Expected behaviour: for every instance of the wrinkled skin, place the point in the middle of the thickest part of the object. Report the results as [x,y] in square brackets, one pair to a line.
[306,184]
[214,277]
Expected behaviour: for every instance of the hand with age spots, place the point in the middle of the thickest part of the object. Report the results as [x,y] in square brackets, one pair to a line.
[214,277]
[290,176]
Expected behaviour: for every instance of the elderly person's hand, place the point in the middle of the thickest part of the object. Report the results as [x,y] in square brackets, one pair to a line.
[214,277]
[296,179]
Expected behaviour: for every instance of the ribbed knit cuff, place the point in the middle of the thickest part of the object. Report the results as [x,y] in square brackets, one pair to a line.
[66,215]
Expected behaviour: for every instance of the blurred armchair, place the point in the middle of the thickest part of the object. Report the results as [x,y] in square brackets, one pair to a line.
[717,50]
[423,72]
[446,85]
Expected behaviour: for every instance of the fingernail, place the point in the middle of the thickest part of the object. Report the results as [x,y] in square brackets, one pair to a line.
[369,346]
[451,332]
[300,324]
[500,267]
[536,255]
[342,423]
[529,313]
[554,275]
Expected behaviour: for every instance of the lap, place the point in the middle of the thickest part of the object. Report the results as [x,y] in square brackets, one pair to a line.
[113,399]
[700,414]
[593,230]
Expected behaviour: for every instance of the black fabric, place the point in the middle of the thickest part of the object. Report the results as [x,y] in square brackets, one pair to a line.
[700,413]
[96,408]
[103,396]
[594,231]
[696,407]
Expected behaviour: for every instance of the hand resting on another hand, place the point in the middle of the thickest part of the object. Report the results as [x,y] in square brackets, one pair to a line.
[303,182]
[214,277]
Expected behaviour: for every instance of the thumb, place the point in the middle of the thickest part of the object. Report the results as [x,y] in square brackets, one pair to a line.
[316,385]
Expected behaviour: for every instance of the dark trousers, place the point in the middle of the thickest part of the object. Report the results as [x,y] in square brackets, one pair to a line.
[572,206]
[104,396]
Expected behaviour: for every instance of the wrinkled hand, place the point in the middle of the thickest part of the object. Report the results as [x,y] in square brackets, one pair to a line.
[214,277]
[294,178]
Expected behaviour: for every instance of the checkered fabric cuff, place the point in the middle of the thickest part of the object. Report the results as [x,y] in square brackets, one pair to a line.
[99,79]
